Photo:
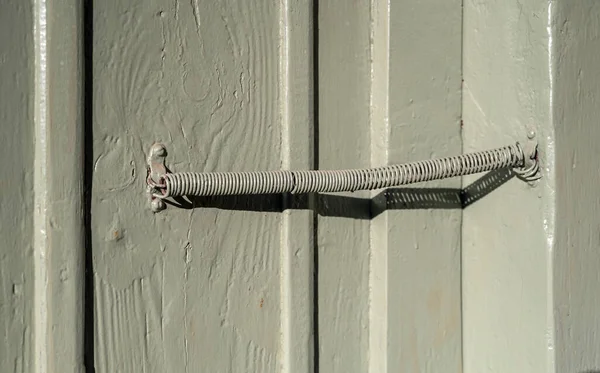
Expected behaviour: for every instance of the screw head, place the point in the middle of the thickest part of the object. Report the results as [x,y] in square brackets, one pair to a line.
[531,134]
[158,150]
[157,205]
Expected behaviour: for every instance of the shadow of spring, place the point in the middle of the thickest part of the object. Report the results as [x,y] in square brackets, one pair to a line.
[354,207]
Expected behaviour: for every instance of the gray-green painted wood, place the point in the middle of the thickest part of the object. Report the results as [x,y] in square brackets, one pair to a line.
[228,284]
[378,234]
[575,174]
[41,209]
[226,86]
[423,242]
[344,142]
[389,288]
[16,203]
[62,161]
[297,345]
[530,254]
[506,260]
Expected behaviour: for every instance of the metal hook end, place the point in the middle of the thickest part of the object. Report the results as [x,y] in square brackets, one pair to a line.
[156,170]
[530,172]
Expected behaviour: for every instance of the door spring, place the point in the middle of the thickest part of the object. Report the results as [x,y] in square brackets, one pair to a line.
[162,184]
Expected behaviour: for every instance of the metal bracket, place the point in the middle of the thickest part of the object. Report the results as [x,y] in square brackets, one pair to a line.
[156,170]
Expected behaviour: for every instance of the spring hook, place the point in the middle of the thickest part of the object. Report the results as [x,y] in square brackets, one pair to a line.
[162,184]
[156,171]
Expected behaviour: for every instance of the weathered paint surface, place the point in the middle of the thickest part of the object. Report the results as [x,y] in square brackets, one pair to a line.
[297,345]
[378,235]
[506,93]
[576,239]
[423,222]
[221,288]
[214,289]
[59,186]
[530,268]
[16,203]
[388,289]
[227,285]
[344,142]
[367,59]
[41,209]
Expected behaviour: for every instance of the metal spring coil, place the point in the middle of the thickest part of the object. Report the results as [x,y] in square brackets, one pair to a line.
[311,181]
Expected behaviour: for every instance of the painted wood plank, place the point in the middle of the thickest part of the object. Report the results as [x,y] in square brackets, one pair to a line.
[16,175]
[423,240]
[64,188]
[573,161]
[200,289]
[506,263]
[343,225]
[297,348]
[42,122]
[377,76]
[379,133]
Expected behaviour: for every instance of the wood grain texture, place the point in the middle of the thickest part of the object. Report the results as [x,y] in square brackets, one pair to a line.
[344,142]
[16,176]
[423,244]
[576,258]
[506,264]
[226,284]
[200,289]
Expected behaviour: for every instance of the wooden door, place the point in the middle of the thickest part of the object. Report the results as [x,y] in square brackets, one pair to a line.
[476,274]
[225,284]
[389,77]
[263,283]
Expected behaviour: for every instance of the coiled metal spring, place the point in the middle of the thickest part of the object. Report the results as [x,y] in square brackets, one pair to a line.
[319,181]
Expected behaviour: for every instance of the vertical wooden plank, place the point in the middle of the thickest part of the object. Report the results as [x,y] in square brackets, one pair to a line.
[574,234]
[381,91]
[199,289]
[423,247]
[16,178]
[506,263]
[380,136]
[297,230]
[63,164]
[41,270]
[344,142]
